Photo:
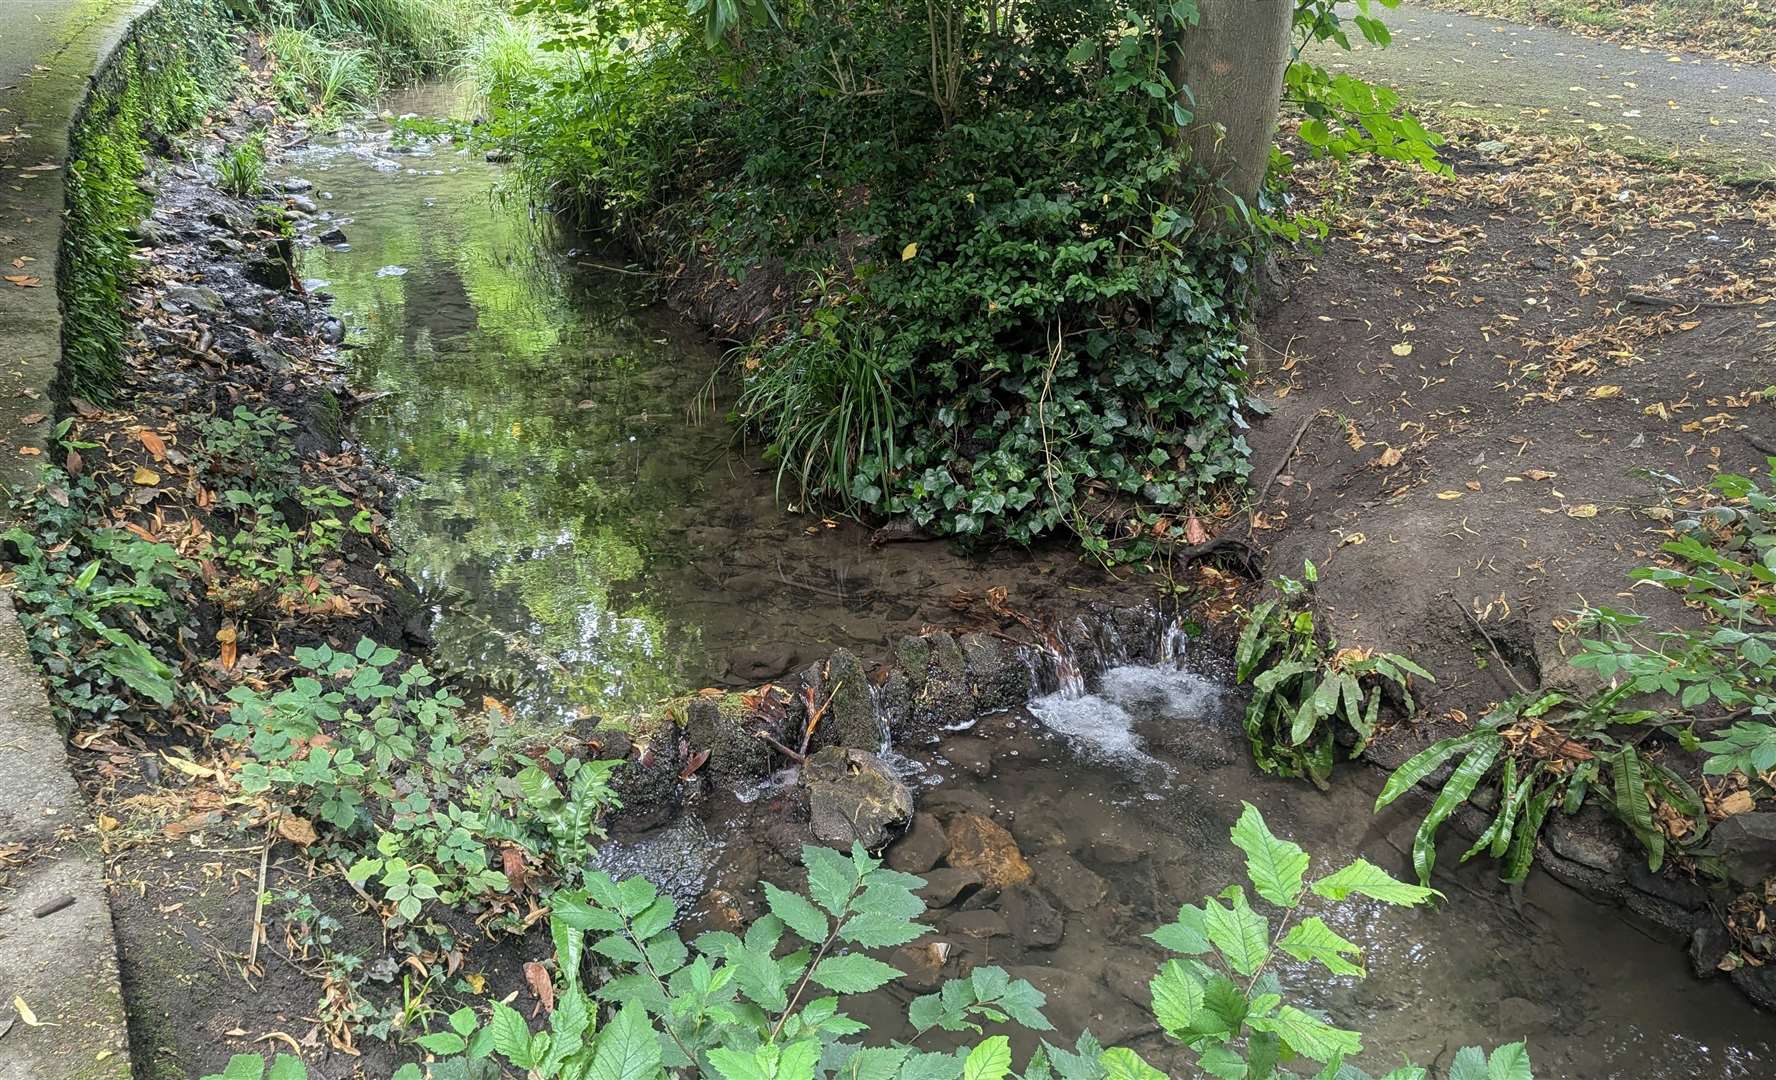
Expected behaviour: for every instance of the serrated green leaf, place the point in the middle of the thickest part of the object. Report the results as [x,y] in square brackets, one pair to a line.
[627,1047]
[874,1063]
[443,1042]
[990,1060]
[1509,1062]
[1186,935]
[1275,865]
[1312,941]
[831,878]
[853,973]
[878,930]
[798,914]
[1308,1036]
[511,1035]
[1177,997]
[1238,933]
[1366,879]
[287,1067]
[1122,1063]
[1469,1063]
[739,1064]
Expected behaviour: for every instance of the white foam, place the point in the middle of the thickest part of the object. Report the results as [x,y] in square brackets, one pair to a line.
[1093,724]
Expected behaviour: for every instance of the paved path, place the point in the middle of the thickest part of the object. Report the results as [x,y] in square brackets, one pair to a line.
[1643,100]
[62,963]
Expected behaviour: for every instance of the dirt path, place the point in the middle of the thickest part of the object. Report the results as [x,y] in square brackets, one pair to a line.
[1643,101]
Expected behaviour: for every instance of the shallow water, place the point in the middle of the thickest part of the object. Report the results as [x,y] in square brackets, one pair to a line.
[577,529]
[1153,765]
[585,535]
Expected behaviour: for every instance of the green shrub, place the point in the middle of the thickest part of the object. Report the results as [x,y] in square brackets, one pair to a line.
[1303,685]
[319,76]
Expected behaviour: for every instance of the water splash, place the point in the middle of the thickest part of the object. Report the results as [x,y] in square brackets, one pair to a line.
[1173,641]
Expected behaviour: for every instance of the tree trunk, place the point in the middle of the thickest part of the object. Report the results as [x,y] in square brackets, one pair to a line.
[1233,63]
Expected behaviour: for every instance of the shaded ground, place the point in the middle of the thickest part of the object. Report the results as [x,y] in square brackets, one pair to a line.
[1646,101]
[1742,31]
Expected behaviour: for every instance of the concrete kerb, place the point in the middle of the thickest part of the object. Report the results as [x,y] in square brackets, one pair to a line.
[58,954]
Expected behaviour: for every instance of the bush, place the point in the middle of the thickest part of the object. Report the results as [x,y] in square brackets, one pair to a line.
[1015,321]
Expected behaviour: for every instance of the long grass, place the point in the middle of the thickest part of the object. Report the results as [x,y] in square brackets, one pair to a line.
[320,76]
[241,167]
[827,407]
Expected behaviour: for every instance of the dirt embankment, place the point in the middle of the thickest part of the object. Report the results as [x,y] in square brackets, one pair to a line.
[1492,394]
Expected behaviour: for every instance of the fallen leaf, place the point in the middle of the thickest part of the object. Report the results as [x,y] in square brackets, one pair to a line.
[1539,474]
[1387,459]
[1606,391]
[146,477]
[1402,348]
[297,830]
[24,1011]
[536,976]
[1587,510]
[193,823]
[24,281]
[83,407]
[1739,802]
[1689,324]
[1194,533]
[1446,496]
[33,418]
[75,463]
[153,443]
[909,251]
[30,451]
[107,823]
[512,863]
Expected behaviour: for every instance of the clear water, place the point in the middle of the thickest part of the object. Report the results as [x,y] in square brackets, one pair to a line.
[591,538]
[587,539]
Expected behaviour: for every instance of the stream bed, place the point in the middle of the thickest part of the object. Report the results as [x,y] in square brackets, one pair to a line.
[588,536]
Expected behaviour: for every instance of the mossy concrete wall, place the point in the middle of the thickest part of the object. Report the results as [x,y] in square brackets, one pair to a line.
[65,67]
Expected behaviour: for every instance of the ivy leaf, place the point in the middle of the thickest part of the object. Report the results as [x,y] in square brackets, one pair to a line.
[1365,878]
[991,1060]
[798,914]
[1241,936]
[853,973]
[1275,865]
[1312,940]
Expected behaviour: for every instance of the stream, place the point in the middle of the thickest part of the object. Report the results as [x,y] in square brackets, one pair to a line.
[591,538]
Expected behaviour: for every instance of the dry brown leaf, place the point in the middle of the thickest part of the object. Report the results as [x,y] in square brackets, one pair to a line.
[1194,533]
[1387,459]
[24,281]
[1739,802]
[33,418]
[297,830]
[536,976]
[1539,474]
[1586,510]
[1606,391]
[29,451]
[153,443]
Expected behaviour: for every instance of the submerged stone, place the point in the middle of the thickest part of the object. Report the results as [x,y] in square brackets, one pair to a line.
[853,797]
[1068,881]
[943,886]
[921,849]
[981,845]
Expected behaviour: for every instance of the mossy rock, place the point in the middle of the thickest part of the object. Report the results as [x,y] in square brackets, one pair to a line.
[842,689]
[724,727]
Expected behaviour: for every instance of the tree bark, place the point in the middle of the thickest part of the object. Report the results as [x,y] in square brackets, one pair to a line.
[1233,63]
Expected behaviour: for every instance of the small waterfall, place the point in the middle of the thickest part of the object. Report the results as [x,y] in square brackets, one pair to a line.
[1069,677]
[1173,641]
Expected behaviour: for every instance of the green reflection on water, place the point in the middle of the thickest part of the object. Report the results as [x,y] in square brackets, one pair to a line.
[542,420]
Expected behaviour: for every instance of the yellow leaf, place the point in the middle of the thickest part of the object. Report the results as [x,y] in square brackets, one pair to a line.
[24,1012]
[1449,495]
[1689,324]
[1403,348]
[909,251]
[146,477]
[1539,474]
[1586,510]
[1387,459]
[1606,391]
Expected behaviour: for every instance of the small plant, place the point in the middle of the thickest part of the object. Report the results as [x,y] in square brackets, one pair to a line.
[241,169]
[1304,684]
[1538,753]
[286,1067]
[769,1004]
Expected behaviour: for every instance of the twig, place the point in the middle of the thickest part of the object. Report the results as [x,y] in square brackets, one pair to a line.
[1490,644]
[1282,463]
[1651,300]
[799,759]
[259,897]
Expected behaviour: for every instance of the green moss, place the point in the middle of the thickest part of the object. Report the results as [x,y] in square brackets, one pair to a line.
[154,87]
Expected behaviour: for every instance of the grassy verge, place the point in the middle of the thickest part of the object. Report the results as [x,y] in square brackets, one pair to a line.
[1742,30]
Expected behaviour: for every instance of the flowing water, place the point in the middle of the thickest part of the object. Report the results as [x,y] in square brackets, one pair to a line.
[577,528]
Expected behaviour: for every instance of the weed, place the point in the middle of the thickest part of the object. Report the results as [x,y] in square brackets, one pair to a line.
[1303,684]
[241,169]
